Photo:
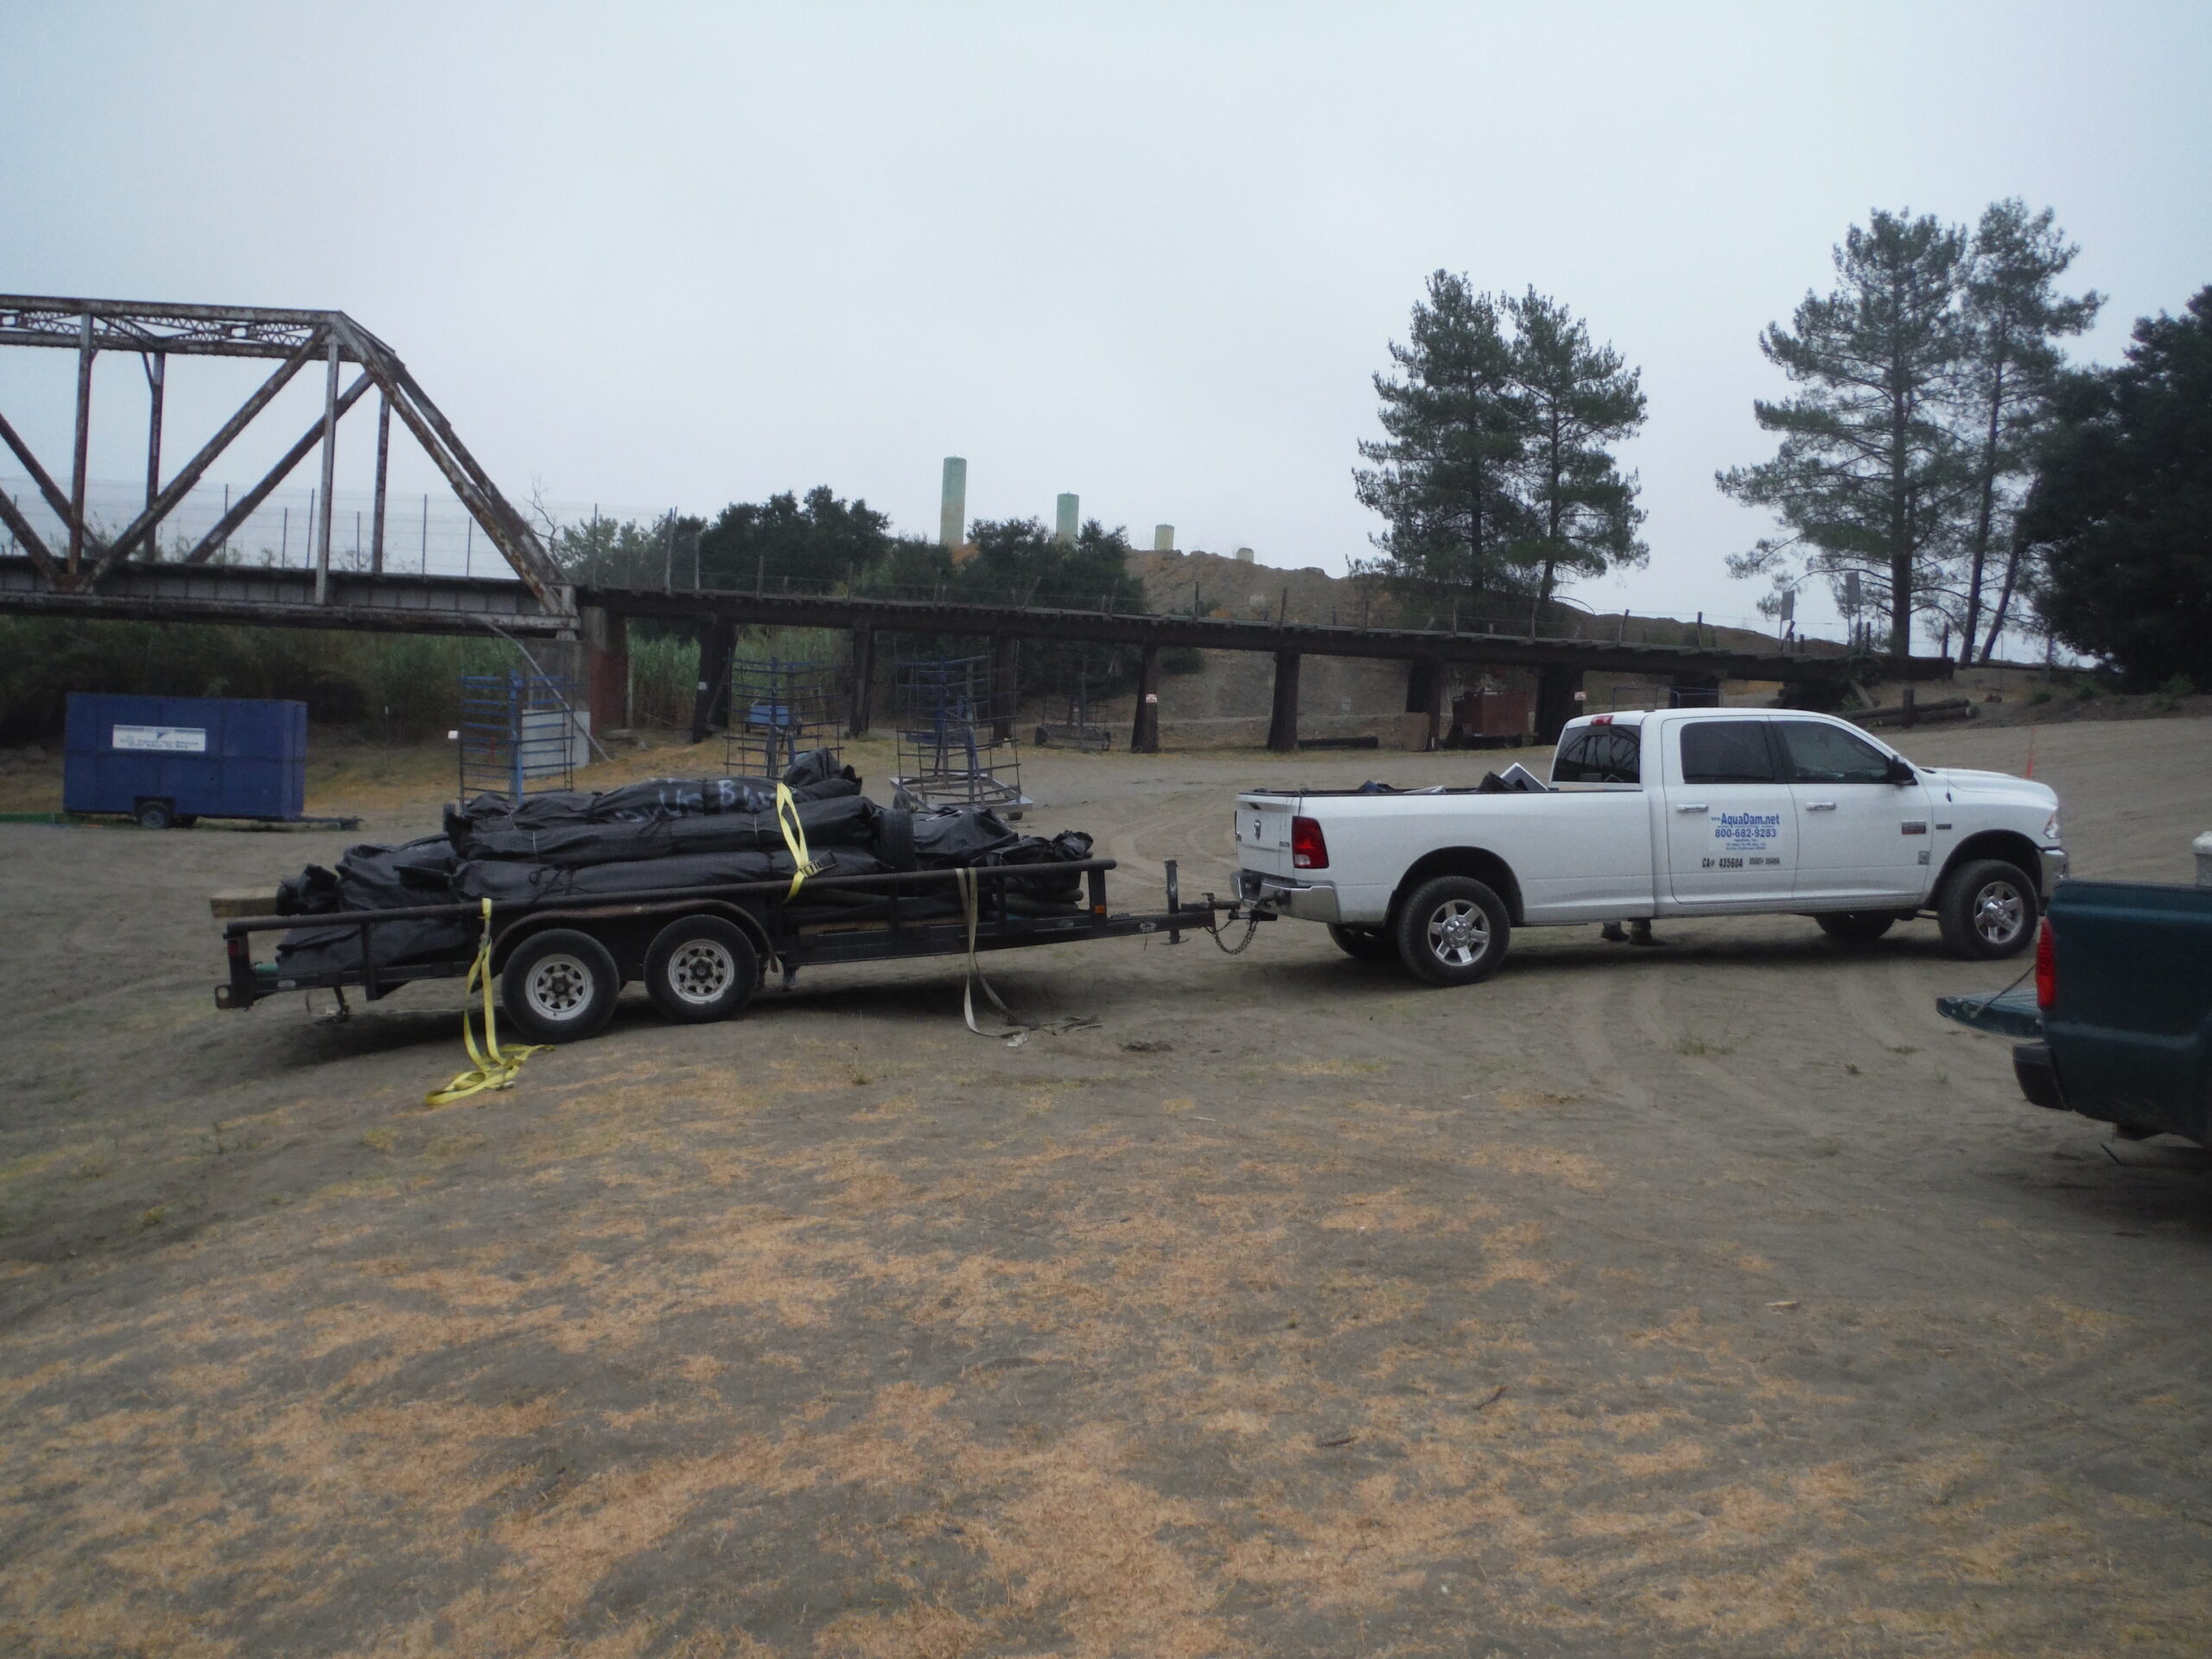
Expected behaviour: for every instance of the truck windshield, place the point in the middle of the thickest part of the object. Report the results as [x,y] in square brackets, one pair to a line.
[1599,755]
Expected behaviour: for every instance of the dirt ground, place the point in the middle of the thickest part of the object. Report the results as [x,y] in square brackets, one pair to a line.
[1719,1299]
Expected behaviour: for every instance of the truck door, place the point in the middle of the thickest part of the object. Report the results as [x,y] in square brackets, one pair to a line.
[1732,827]
[1860,836]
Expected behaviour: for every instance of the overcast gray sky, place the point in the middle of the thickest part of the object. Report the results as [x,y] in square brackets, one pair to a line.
[658,255]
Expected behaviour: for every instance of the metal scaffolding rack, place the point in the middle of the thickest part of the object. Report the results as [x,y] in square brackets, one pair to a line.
[778,711]
[518,734]
[956,743]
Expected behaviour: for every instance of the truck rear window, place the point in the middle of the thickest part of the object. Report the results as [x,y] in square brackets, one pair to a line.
[1599,755]
[1726,751]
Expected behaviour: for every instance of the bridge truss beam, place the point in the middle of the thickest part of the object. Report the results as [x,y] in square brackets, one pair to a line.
[293,338]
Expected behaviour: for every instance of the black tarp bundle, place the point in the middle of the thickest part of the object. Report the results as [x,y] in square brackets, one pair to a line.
[411,875]
[664,835]
[844,820]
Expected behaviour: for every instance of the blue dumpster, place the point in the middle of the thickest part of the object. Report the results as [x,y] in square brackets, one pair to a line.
[164,760]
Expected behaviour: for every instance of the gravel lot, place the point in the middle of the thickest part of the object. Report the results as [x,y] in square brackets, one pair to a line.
[1718,1299]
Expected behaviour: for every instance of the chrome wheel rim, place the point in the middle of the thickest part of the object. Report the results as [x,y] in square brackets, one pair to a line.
[2000,912]
[558,987]
[1458,932]
[700,971]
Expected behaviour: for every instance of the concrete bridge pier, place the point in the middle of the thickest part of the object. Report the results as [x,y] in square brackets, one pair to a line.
[606,667]
[1282,720]
[863,684]
[1556,685]
[710,705]
[1144,732]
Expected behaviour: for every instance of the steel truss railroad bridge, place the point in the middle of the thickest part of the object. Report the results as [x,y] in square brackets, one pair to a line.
[88,573]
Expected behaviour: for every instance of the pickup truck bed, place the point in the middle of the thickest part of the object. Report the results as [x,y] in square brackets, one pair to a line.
[2120,1027]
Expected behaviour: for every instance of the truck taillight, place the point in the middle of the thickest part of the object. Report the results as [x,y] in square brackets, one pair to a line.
[1308,851]
[2046,966]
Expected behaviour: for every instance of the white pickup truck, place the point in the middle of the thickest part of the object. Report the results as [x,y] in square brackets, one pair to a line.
[1670,813]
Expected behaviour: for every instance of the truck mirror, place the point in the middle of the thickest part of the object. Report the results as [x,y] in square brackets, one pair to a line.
[1901,772]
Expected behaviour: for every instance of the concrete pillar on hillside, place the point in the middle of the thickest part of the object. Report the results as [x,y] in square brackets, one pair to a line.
[952,510]
[1163,538]
[606,667]
[1144,733]
[1067,519]
[1282,720]
[863,684]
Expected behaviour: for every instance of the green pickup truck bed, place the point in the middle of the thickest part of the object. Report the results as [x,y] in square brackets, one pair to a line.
[2120,1022]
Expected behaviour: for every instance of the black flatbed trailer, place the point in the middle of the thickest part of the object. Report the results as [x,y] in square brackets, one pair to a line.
[731,933]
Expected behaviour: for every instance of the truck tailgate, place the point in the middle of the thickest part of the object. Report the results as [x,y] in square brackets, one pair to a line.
[1263,833]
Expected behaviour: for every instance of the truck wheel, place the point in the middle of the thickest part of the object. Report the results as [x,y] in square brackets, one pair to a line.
[1988,909]
[700,968]
[560,985]
[1454,931]
[1366,943]
[1855,926]
[154,814]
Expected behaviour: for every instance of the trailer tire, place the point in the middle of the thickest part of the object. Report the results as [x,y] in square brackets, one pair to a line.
[1363,943]
[560,986]
[1853,927]
[895,839]
[1454,931]
[154,814]
[1987,910]
[700,968]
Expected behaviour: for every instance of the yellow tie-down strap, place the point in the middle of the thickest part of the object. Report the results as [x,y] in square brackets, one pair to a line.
[490,1066]
[794,840]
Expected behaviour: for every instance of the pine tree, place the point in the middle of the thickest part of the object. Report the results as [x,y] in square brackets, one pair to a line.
[1575,399]
[1868,474]
[2013,317]
[1447,481]
[2121,502]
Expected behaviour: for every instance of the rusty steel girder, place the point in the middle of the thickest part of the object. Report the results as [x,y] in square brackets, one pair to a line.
[294,338]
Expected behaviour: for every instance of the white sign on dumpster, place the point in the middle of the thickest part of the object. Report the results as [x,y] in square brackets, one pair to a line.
[161,740]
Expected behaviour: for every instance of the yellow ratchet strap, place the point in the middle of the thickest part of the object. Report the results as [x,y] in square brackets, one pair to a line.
[490,1066]
[794,840]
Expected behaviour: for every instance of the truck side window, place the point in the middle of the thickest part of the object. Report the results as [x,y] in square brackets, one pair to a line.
[1821,753]
[1599,755]
[1726,751]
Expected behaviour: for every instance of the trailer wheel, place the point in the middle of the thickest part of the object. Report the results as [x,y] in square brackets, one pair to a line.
[154,814]
[1988,909]
[560,985]
[1454,931]
[700,968]
[1363,943]
[1849,927]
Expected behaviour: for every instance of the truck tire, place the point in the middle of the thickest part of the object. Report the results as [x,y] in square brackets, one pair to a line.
[559,985]
[1988,909]
[1453,930]
[1364,943]
[154,814]
[1849,927]
[700,968]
